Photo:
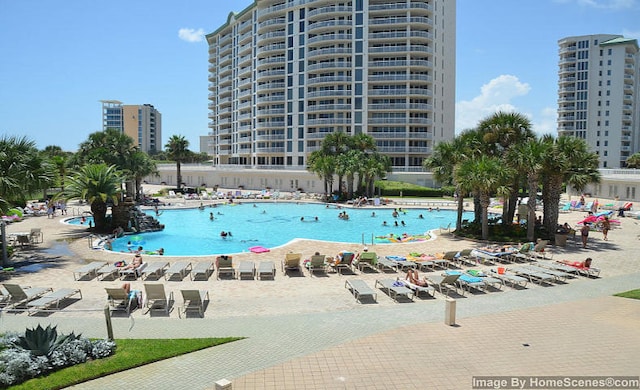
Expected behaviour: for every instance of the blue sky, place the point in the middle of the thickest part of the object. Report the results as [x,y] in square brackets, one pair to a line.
[59,59]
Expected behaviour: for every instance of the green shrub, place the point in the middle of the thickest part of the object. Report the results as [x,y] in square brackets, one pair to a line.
[395,188]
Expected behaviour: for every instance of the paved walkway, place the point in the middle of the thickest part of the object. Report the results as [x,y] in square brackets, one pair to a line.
[309,333]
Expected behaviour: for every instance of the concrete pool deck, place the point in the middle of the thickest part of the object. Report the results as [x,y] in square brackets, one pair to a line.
[309,332]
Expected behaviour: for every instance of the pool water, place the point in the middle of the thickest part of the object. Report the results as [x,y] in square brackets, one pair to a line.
[191,232]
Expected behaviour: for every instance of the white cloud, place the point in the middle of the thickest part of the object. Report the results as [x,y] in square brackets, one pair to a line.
[494,96]
[546,122]
[191,35]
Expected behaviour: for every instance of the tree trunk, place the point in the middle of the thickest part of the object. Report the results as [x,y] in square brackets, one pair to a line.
[99,211]
[178,175]
[531,218]
[460,210]
[511,211]
[552,194]
[485,200]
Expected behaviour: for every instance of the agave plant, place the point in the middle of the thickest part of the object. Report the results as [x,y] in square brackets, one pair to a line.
[43,341]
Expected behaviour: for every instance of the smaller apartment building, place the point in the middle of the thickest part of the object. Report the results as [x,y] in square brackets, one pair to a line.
[143,123]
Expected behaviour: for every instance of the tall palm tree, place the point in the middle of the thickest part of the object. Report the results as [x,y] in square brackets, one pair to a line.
[324,166]
[447,155]
[566,160]
[502,131]
[483,176]
[139,166]
[335,144]
[527,158]
[178,151]
[97,184]
[375,166]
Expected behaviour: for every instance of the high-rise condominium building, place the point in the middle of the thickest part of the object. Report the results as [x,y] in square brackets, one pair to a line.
[143,123]
[285,73]
[598,95]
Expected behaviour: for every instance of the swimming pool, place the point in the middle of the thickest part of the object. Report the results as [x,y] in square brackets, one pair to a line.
[191,232]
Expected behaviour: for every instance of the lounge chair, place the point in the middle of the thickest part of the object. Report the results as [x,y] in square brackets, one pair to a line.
[359,288]
[266,269]
[202,270]
[345,263]
[224,265]
[23,240]
[558,276]
[417,290]
[18,296]
[291,262]
[484,257]
[444,283]
[194,300]
[465,257]
[119,299]
[508,277]
[52,299]
[395,288]
[109,271]
[533,276]
[446,260]
[246,269]
[156,269]
[179,268]
[367,259]
[385,263]
[552,265]
[4,297]
[317,263]
[89,270]
[134,273]
[401,262]
[157,298]
[36,236]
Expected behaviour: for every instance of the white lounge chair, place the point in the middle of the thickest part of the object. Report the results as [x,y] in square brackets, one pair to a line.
[194,299]
[246,269]
[52,299]
[156,269]
[359,288]
[179,268]
[157,298]
[119,299]
[90,270]
[266,269]
[395,288]
[134,273]
[19,296]
[291,261]
[417,290]
[202,270]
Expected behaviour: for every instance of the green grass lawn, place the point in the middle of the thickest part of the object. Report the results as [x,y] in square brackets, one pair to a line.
[130,353]
[633,294]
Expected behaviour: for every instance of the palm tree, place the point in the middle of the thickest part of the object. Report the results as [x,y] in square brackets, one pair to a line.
[178,151]
[633,161]
[565,160]
[483,176]
[23,170]
[527,158]
[375,166]
[97,184]
[324,167]
[502,131]
[139,166]
[447,155]
[335,144]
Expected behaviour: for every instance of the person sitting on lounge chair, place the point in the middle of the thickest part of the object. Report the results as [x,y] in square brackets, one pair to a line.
[135,264]
[414,278]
